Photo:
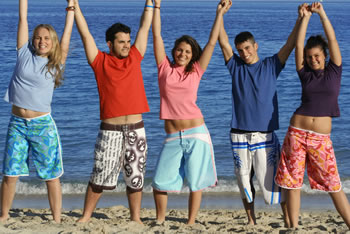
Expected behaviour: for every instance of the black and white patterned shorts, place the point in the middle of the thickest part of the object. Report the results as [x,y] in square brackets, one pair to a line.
[120,147]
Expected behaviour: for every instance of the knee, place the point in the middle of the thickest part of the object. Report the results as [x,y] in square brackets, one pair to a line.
[9,179]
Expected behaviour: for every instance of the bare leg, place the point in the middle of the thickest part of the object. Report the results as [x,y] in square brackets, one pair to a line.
[134,199]
[249,209]
[293,206]
[341,203]
[54,194]
[194,203]
[285,214]
[161,201]
[92,196]
[8,190]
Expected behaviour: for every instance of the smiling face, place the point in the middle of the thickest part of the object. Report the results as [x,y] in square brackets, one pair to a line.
[42,42]
[183,54]
[248,52]
[120,47]
[315,58]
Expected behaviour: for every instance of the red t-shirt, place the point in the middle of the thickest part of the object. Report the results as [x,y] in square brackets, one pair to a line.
[120,84]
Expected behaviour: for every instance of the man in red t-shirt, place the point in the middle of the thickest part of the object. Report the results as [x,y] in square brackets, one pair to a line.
[121,143]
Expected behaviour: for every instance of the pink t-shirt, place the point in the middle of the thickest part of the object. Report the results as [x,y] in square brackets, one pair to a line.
[178,92]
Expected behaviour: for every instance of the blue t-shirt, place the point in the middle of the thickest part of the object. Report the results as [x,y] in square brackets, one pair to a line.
[254,96]
[31,86]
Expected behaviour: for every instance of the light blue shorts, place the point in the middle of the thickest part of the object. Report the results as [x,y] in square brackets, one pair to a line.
[38,135]
[186,154]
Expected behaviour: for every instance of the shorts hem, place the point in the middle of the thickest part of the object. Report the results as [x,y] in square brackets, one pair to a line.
[134,189]
[210,186]
[15,175]
[60,175]
[166,191]
[101,187]
[178,191]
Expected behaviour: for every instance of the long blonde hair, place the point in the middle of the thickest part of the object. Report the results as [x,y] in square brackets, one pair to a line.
[54,66]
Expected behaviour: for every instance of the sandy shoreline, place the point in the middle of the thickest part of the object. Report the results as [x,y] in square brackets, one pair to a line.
[220,213]
[116,220]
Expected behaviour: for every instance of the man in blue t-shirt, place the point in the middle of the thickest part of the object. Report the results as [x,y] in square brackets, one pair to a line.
[255,146]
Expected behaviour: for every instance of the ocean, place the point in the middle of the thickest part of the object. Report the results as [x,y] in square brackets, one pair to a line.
[75,105]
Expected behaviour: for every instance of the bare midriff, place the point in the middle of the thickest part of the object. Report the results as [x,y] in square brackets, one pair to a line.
[176,125]
[125,119]
[25,113]
[316,124]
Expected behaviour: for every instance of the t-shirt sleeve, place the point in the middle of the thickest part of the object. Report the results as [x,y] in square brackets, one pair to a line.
[231,62]
[26,48]
[136,53]
[278,65]
[165,64]
[198,69]
[97,60]
[332,67]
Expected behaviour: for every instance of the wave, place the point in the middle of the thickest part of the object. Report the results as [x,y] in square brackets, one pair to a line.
[224,186]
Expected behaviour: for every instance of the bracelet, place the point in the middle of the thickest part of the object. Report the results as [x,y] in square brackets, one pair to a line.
[157,7]
[149,6]
[70,8]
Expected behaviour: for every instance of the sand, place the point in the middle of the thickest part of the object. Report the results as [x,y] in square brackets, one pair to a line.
[115,219]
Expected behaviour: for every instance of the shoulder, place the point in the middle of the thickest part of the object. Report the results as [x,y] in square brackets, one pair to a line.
[134,52]
[197,67]
[164,64]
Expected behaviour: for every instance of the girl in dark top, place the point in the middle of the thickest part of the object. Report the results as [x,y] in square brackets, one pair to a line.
[308,137]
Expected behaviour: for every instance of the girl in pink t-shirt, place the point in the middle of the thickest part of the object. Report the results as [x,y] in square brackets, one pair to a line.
[187,151]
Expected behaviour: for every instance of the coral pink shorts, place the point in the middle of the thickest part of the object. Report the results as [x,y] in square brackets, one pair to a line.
[302,147]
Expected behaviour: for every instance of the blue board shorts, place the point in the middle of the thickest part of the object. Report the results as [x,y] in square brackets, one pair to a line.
[186,154]
[38,135]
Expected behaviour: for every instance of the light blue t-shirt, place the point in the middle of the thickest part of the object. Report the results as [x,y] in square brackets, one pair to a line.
[254,96]
[31,86]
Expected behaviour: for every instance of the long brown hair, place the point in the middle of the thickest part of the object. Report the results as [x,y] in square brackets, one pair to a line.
[54,66]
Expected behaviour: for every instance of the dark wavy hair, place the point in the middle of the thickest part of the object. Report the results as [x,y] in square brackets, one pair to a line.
[196,51]
[115,28]
[316,41]
[243,37]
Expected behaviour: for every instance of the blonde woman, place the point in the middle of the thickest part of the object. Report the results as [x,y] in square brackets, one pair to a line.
[39,69]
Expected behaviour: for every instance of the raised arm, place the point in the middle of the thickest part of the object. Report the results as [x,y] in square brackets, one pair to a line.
[221,9]
[158,44]
[65,39]
[22,31]
[334,51]
[305,14]
[91,50]
[288,47]
[224,41]
[145,24]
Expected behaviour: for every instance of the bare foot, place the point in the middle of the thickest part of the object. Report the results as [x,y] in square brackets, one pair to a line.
[83,220]
[251,222]
[3,218]
[138,221]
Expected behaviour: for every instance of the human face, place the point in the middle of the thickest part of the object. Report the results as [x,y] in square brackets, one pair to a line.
[248,52]
[42,42]
[183,54]
[315,58]
[120,47]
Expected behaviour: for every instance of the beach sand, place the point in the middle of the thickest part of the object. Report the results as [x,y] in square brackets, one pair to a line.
[219,214]
[116,220]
